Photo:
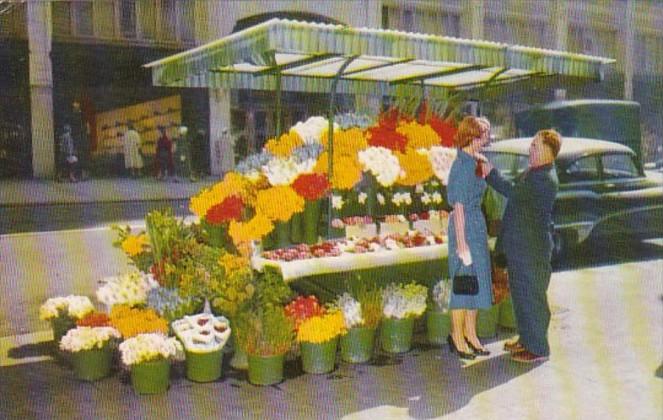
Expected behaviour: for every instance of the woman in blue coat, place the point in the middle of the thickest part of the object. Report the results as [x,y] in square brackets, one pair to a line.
[468,236]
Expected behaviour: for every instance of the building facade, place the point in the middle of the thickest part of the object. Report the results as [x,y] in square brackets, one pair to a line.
[57,52]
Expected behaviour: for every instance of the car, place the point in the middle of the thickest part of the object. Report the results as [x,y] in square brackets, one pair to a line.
[604,192]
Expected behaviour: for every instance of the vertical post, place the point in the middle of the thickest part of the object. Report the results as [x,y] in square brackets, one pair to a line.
[560,24]
[277,105]
[628,42]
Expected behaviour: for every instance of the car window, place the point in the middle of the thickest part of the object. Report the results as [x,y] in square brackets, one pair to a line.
[619,165]
[583,169]
[510,165]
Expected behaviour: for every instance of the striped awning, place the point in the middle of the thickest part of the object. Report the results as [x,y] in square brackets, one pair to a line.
[307,57]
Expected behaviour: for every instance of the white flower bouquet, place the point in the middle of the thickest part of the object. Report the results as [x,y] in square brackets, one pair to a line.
[404,301]
[87,338]
[351,309]
[311,130]
[281,171]
[75,307]
[441,158]
[382,164]
[441,294]
[401,198]
[129,289]
[202,333]
[150,347]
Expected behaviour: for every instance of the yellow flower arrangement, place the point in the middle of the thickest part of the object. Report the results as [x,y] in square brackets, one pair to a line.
[130,322]
[348,142]
[253,230]
[347,170]
[319,329]
[416,165]
[284,145]
[232,262]
[418,135]
[233,183]
[135,244]
[279,203]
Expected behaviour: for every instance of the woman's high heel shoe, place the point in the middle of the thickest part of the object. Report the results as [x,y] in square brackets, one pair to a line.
[454,349]
[479,352]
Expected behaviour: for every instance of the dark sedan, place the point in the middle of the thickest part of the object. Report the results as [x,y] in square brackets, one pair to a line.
[603,191]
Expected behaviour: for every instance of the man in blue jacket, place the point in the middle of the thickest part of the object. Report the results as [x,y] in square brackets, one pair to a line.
[526,241]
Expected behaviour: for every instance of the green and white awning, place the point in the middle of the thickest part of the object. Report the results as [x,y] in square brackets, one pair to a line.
[308,56]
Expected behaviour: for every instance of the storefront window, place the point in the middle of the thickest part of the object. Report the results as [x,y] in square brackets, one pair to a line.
[128,18]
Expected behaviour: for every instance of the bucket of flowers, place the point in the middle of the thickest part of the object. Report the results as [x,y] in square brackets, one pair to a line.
[438,320]
[63,312]
[318,337]
[203,337]
[148,356]
[401,305]
[91,350]
[362,312]
[313,187]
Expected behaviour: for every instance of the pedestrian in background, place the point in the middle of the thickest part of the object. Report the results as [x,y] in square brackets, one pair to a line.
[164,154]
[199,154]
[68,156]
[79,132]
[133,159]
[183,153]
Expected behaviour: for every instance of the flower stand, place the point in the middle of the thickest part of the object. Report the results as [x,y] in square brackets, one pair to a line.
[319,357]
[266,370]
[507,316]
[487,322]
[357,345]
[438,326]
[396,334]
[92,365]
[151,377]
[311,218]
[204,367]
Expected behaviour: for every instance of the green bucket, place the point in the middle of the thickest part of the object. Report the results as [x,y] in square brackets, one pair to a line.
[357,345]
[266,370]
[296,232]
[61,325]
[487,321]
[438,327]
[396,334]
[92,365]
[507,317]
[151,377]
[311,218]
[204,367]
[319,357]
[282,234]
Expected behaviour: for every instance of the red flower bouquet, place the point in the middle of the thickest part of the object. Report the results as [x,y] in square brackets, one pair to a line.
[229,209]
[303,308]
[94,319]
[311,187]
[445,129]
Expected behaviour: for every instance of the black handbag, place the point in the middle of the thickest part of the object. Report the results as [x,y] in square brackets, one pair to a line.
[466,285]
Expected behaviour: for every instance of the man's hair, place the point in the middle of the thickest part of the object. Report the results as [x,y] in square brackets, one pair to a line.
[469,129]
[552,139]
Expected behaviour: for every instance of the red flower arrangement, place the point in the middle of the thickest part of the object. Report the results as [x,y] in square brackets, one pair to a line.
[303,308]
[444,128]
[311,187]
[94,319]
[229,209]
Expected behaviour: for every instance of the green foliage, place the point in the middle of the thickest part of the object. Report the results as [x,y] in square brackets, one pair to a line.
[142,261]
[266,332]
[369,296]
[271,290]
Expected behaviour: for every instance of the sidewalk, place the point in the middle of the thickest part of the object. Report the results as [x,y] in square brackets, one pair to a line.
[40,192]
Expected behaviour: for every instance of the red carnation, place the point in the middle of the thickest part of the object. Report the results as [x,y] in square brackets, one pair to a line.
[445,129]
[229,209]
[386,137]
[311,187]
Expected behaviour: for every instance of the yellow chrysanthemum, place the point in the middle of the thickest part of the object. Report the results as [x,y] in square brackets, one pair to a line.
[131,322]
[233,183]
[418,135]
[279,203]
[347,170]
[134,244]
[253,230]
[284,145]
[231,262]
[319,329]
[349,142]
[416,165]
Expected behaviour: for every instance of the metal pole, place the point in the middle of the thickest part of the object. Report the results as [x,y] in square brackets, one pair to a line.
[277,106]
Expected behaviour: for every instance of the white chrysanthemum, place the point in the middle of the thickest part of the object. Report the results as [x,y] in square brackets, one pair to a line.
[441,294]
[362,197]
[337,202]
[436,197]
[441,159]
[72,306]
[382,163]
[401,302]
[381,199]
[400,199]
[128,289]
[311,130]
[281,171]
[87,338]
[202,333]
[148,347]
[351,309]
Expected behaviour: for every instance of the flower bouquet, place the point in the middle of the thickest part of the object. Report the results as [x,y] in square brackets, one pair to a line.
[401,305]
[203,337]
[148,356]
[313,188]
[438,321]
[362,314]
[129,289]
[91,351]
[318,337]
[62,312]
[131,322]
[136,247]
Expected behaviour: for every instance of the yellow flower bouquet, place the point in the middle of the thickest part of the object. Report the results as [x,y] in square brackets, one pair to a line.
[318,337]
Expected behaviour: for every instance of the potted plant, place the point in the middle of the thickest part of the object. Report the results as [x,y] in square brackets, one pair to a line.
[438,320]
[91,350]
[203,337]
[148,356]
[362,317]
[63,312]
[318,338]
[313,188]
[401,305]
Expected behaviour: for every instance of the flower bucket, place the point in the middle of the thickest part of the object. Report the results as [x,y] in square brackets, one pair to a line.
[357,345]
[296,225]
[311,218]
[266,370]
[282,234]
[438,326]
[396,334]
[319,357]
[218,236]
[151,377]
[61,325]
[240,359]
[204,367]
[487,321]
[92,365]
[507,317]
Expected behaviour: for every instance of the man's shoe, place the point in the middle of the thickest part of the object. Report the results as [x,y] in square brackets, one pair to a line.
[513,347]
[526,356]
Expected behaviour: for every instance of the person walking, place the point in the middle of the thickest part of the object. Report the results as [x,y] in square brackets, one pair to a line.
[164,155]
[526,240]
[133,159]
[183,154]
[79,133]
[68,153]
[199,155]
[468,238]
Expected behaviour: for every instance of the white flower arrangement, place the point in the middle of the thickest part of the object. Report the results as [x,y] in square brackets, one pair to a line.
[87,338]
[404,301]
[202,333]
[337,202]
[436,197]
[441,295]
[129,289]
[361,198]
[281,171]
[382,163]
[311,130]
[150,347]
[441,159]
[419,189]
[381,199]
[351,309]
[72,306]
[400,199]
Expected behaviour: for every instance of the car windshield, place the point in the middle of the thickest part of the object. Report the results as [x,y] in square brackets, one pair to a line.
[510,165]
